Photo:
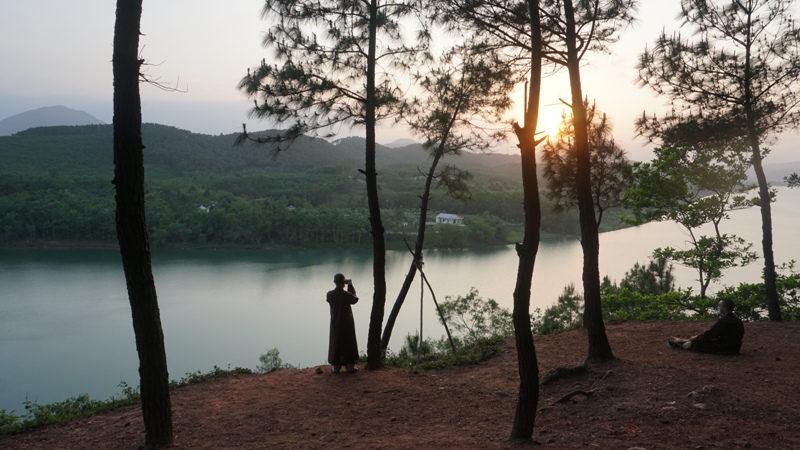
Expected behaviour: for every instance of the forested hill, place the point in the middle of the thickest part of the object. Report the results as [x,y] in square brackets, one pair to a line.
[172,152]
[55,185]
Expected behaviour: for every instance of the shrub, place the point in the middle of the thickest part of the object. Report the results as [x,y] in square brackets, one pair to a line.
[37,415]
[474,318]
[566,314]
[271,361]
[623,304]
[441,354]
[750,298]
[657,277]
[478,327]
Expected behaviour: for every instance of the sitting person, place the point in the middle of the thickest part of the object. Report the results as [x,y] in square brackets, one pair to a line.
[725,337]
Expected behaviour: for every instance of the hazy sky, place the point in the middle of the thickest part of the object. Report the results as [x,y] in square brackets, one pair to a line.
[59,53]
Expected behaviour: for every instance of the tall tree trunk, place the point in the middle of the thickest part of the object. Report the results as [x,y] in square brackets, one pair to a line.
[132,230]
[599,348]
[418,245]
[528,399]
[374,356]
[770,277]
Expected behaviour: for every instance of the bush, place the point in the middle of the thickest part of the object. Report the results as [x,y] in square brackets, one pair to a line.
[271,361]
[657,277]
[750,298]
[565,315]
[622,304]
[478,327]
[37,415]
[441,354]
[474,318]
[199,377]
[411,346]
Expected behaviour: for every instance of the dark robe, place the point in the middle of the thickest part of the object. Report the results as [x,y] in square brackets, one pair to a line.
[342,345]
[724,337]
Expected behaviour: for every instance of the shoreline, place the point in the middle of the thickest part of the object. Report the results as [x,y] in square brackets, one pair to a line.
[114,245]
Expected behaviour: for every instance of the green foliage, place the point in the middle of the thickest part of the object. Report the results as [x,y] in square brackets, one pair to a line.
[739,68]
[312,195]
[565,315]
[412,345]
[608,162]
[68,151]
[689,185]
[478,230]
[750,298]
[657,277]
[440,355]
[474,319]
[478,327]
[200,377]
[271,361]
[647,293]
[317,77]
[623,304]
[37,415]
[711,256]
[694,186]
[793,180]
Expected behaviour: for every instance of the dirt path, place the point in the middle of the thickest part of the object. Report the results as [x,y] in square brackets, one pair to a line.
[652,397]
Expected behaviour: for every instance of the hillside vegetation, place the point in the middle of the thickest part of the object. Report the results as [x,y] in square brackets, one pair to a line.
[55,186]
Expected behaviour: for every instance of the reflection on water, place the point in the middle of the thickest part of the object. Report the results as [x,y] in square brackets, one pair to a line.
[65,325]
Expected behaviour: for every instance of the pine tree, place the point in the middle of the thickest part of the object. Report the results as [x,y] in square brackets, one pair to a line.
[335,64]
[738,77]
[132,229]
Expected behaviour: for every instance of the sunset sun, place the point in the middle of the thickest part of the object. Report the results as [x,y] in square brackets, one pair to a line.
[549,120]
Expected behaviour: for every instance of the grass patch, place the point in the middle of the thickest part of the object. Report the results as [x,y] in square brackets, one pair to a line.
[37,415]
[434,356]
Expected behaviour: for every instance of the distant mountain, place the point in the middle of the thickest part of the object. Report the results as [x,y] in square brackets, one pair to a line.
[402,142]
[46,117]
[171,152]
[777,172]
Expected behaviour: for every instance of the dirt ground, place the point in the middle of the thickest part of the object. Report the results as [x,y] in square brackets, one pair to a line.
[651,397]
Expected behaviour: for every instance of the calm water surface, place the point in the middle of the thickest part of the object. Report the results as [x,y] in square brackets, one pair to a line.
[65,325]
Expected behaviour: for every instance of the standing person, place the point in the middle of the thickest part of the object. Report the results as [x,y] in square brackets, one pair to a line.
[725,337]
[342,345]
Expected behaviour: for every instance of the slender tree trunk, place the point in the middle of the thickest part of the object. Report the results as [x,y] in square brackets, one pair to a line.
[374,357]
[131,228]
[418,245]
[599,347]
[528,399]
[770,277]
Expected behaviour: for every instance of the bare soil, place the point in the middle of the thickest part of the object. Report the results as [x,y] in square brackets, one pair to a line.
[650,397]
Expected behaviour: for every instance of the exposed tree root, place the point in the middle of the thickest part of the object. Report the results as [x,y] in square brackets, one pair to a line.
[567,397]
[562,372]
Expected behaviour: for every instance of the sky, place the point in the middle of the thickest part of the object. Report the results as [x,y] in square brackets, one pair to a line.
[59,53]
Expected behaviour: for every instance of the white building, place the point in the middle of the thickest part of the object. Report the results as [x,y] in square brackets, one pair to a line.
[451,219]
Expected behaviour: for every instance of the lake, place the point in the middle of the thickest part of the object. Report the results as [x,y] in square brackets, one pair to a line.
[65,321]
